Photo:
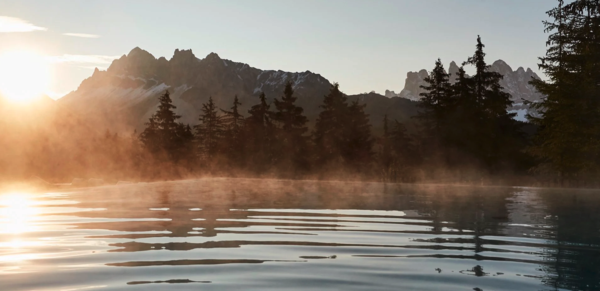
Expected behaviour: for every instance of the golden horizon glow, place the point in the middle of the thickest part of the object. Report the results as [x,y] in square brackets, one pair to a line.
[24,76]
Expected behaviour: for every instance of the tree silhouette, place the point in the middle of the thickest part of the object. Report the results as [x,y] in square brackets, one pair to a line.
[436,107]
[329,136]
[405,157]
[358,143]
[163,135]
[260,136]
[292,150]
[233,136]
[568,140]
[209,132]
[435,102]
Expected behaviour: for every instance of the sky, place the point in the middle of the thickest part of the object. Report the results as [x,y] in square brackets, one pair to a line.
[364,45]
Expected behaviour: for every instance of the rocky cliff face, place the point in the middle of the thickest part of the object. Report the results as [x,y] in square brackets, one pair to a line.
[125,95]
[515,82]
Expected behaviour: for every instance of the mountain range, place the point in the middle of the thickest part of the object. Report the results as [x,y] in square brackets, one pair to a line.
[515,82]
[124,96]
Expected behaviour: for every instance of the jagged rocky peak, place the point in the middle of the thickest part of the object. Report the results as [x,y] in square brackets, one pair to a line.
[390,94]
[213,60]
[213,56]
[138,63]
[211,75]
[412,85]
[453,68]
[138,53]
[453,71]
[187,55]
[501,67]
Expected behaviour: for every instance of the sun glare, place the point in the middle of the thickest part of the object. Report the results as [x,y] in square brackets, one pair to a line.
[24,76]
[16,213]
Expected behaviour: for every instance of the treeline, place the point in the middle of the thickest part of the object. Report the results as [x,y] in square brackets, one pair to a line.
[462,132]
[271,139]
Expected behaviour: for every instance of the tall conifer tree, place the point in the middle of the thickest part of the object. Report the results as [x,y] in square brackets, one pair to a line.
[292,153]
[259,133]
[435,101]
[436,107]
[405,156]
[496,129]
[163,134]
[233,139]
[209,132]
[568,139]
[357,148]
[329,135]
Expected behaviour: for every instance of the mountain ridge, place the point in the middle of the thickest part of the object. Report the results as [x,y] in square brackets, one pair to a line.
[124,96]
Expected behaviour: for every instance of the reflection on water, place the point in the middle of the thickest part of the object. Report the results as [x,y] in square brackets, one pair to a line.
[232,234]
[17,211]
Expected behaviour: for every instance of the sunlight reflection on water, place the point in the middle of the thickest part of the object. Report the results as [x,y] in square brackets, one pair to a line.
[17,212]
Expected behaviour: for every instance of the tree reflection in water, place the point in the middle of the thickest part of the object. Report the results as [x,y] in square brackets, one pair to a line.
[573,261]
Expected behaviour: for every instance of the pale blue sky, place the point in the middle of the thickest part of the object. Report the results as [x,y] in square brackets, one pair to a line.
[363,45]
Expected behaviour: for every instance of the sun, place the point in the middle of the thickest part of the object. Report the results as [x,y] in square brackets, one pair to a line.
[24,76]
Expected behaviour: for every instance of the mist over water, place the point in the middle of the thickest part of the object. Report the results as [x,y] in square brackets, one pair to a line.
[250,234]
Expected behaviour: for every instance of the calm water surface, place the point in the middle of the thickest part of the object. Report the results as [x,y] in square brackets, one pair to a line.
[242,234]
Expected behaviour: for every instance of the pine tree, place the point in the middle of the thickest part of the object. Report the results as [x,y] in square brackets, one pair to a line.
[329,131]
[161,134]
[488,92]
[292,150]
[568,139]
[358,143]
[405,156]
[436,107]
[435,102]
[233,139]
[209,132]
[491,133]
[259,133]
[462,124]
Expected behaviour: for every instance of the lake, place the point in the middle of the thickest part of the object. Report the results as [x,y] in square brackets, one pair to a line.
[250,234]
